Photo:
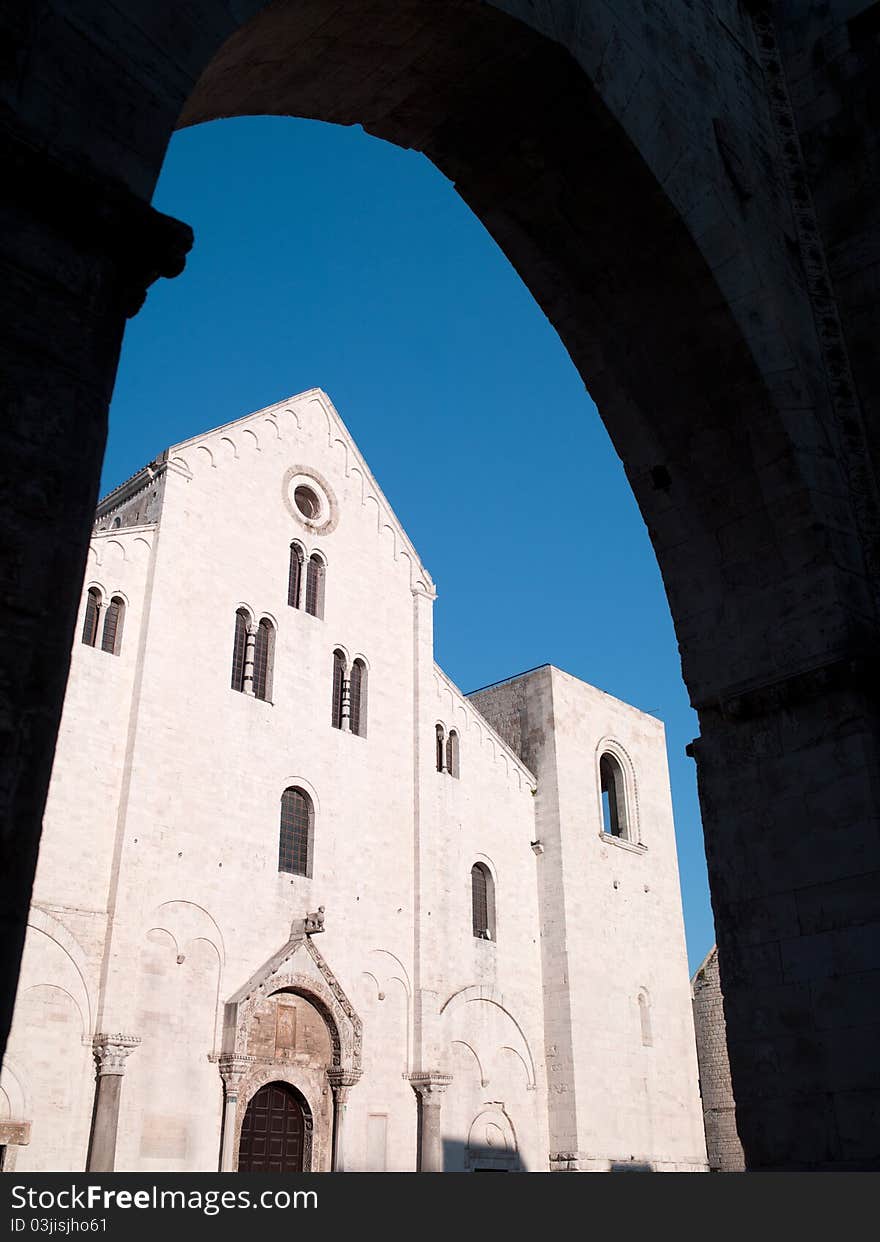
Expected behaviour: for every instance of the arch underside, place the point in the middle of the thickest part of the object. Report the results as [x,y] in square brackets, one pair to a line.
[635,180]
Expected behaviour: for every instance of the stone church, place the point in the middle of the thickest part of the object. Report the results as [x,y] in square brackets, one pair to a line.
[303,905]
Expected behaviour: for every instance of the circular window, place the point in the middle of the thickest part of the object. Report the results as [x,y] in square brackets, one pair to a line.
[309,498]
[307,502]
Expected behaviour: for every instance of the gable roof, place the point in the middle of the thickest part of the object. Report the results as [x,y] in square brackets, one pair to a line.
[278,415]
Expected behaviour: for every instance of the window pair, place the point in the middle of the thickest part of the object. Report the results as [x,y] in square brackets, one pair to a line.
[315,571]
[447,751]
[349,702]
[114,613]
[253,655]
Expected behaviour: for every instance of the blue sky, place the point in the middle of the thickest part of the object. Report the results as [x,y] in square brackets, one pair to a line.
[326,258]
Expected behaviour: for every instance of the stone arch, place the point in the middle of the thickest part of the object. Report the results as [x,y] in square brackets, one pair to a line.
[491,1141]
[40,920]
[667,143]
[630,828]
[298,968]
[516,1040]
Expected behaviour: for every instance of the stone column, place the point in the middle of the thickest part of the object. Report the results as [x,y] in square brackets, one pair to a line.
[249,648]
[232,1070]
[429,1087]
[110,1052]
[341,1082]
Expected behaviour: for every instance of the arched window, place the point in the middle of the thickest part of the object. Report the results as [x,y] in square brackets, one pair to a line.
[296,838]
[452,753]
[111,639]
[614,820]
[294,578]
[239,648]
[441,737]
[93,612]
[338,687]
[264,655]
[483,901]
[358,698]
[315,586]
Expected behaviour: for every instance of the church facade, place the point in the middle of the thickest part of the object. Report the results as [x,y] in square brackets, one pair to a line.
[303,905]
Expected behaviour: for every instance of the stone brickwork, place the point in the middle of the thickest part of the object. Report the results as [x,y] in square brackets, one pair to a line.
[723,1146]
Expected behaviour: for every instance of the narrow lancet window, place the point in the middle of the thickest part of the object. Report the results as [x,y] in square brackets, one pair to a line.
[358,698]
[441,751]
[239,648]
[93,612]
[614,818]
[294,577]
[315,586]
[296,838]
[264,654]
[111,638]
[338,688]
[452,753]
[483,902]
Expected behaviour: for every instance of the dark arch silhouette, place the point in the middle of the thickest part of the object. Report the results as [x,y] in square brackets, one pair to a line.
[697,243]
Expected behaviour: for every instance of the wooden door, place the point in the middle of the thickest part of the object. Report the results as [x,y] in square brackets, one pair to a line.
[272,1132]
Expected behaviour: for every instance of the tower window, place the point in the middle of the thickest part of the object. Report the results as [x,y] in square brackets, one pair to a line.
[93,612]
[296,838]
[315,586]
[111,638]
[613,786]
[441,752]
[358,698]
[483,902]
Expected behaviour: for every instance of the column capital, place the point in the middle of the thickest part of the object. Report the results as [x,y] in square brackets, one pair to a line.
[341,1081]
[232,1069]
[430,1085]
[110,1052]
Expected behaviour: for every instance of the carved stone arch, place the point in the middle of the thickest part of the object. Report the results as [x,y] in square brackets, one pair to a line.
[298,967]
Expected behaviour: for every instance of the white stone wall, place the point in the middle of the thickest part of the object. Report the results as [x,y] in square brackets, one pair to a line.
[623,1088]
[159,898]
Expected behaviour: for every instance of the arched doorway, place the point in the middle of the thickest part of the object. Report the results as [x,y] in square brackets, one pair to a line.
[273,1133]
